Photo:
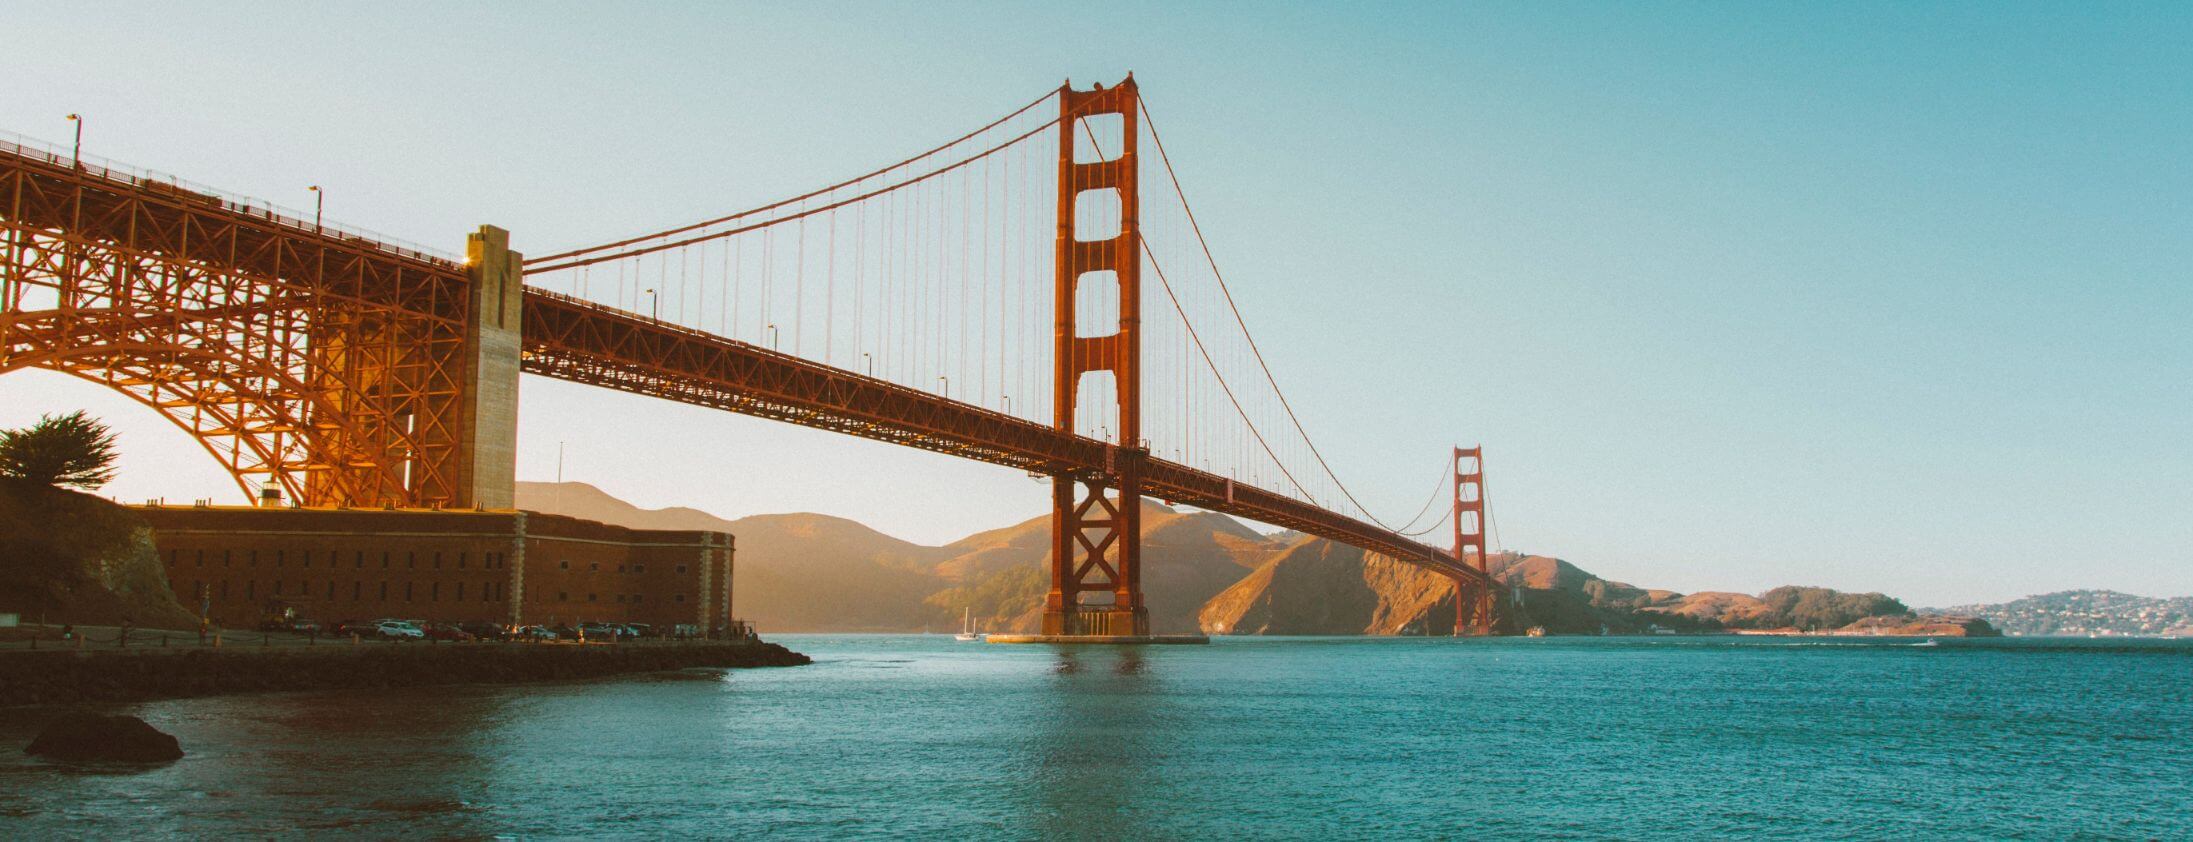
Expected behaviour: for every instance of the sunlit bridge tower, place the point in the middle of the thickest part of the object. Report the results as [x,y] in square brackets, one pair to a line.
[1472,600]
[1096,544]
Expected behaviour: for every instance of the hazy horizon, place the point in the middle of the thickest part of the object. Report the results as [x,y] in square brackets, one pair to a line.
[1869,296]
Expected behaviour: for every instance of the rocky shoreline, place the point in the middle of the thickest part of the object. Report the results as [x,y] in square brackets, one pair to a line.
[48,678]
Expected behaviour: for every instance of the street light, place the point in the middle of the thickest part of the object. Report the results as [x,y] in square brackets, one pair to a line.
[772,336]
[946,388]
[871,360]
[655,301]
[76,154]
[319,203]
[1008,404]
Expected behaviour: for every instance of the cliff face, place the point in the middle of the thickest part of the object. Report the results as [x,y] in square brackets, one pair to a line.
[74,558]
[1316,586]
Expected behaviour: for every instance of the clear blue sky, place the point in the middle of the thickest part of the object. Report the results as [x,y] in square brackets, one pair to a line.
[1877,296]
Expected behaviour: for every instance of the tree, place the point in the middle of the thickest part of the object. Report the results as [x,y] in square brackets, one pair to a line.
[73,449]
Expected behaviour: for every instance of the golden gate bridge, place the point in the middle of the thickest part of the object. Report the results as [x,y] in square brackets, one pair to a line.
[984,298]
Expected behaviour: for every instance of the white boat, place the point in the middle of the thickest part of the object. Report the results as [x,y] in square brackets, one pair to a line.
[967,627]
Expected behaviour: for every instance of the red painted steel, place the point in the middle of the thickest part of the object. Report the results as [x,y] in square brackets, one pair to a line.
[1096,536]
[332,362]
[324,361]
[584,342]
[1473,602]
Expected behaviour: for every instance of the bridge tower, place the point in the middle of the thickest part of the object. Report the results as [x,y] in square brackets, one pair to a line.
[1096,515]
[1472,602]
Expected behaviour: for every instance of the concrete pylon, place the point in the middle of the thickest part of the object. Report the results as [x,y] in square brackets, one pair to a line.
[488,435]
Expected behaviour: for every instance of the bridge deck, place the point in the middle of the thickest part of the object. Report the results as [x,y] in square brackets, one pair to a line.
[572,339]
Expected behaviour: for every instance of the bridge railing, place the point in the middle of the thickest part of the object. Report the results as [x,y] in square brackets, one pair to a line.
[256,208]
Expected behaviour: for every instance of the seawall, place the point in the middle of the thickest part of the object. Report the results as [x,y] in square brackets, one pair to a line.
[48,677]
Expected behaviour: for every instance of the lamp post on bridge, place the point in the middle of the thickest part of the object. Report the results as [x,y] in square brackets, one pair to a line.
[944,387]
[655,303]
[772,328]
[870,359]
[76,152]
[319,203]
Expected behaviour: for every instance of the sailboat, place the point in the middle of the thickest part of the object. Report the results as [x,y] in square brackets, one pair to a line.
[967,626]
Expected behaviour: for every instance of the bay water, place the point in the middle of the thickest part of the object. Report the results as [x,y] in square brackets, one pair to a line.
[1283,738]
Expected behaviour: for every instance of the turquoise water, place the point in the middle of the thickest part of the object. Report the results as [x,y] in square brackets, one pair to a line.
[1638,738]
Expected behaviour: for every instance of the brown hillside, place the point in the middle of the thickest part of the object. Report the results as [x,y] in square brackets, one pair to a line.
[808,572]
[69,557]
[1317,586]
[794,572]
[1187,557]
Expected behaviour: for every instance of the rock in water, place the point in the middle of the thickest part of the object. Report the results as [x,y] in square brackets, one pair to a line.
[87,736]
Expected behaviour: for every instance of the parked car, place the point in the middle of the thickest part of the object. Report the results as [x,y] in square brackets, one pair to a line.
[536,633]
[450,633]
[599,632]
[641,630]
[485,630]
[398,631]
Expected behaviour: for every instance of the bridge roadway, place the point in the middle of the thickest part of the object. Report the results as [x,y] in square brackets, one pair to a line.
[148,219]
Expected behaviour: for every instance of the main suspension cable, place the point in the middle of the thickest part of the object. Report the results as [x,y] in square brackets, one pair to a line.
[1257,352]
[800,198]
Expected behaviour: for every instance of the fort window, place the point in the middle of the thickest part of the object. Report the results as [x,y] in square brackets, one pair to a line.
[589,597]
[678,598]
[460,591]
[384,561]
[681,568]
[562,596]
[460,561]
[411,561]
[407,591]
[360,558]
[251,589]
[331,589]
[563,565]
[384,591]
[639,568]
[594,566]
[227,556]
[357,591]
[620,597]
[277,587]
[620,568]
[253,561]
[224,588]
[278,557]
[636,597]
[306,561]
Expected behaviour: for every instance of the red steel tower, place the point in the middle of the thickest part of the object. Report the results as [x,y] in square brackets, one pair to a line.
[1096,538]
[1472,602]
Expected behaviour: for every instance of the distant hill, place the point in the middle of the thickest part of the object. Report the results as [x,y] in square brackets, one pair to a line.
[2088,612]
[811,572]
